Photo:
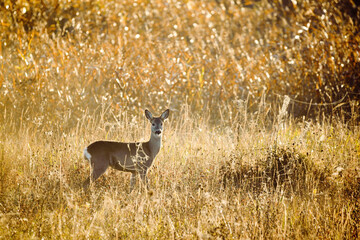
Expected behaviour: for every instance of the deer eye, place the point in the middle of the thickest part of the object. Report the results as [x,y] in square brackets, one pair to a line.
[153,124]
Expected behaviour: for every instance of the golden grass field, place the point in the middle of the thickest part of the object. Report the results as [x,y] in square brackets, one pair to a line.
[239,160]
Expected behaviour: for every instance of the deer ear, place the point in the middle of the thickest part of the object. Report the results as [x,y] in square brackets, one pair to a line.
[148,115]
[165,114]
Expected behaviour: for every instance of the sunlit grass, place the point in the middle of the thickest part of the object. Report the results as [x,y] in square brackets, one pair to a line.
[153,53]
[41,176]
[234,164]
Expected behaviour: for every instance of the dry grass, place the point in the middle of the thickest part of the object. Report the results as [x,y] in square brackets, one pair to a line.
[316,196]
[77,55]
[234,163]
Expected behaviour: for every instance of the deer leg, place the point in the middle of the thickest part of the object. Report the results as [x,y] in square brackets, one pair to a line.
[145,180]
[99,167]
[132,181]
[86,184]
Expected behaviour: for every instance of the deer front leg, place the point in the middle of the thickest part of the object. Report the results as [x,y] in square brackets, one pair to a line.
[145,180]
[132,181]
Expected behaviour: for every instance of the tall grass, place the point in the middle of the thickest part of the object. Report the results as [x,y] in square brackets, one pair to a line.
[237,160]
[134,55]
[205,182]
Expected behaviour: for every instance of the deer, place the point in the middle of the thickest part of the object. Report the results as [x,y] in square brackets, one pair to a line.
[133,157]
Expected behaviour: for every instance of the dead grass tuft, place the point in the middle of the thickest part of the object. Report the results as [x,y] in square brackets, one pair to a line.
[286,169]
[282,168]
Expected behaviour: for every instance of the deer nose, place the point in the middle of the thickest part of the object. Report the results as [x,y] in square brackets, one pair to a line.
[158,132]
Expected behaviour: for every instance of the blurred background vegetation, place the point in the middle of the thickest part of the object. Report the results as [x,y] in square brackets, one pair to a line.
[60,59]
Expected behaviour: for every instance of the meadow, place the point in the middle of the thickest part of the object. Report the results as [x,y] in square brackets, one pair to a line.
[263,138]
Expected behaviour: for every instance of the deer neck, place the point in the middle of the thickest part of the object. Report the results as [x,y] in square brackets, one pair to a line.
[154,144]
